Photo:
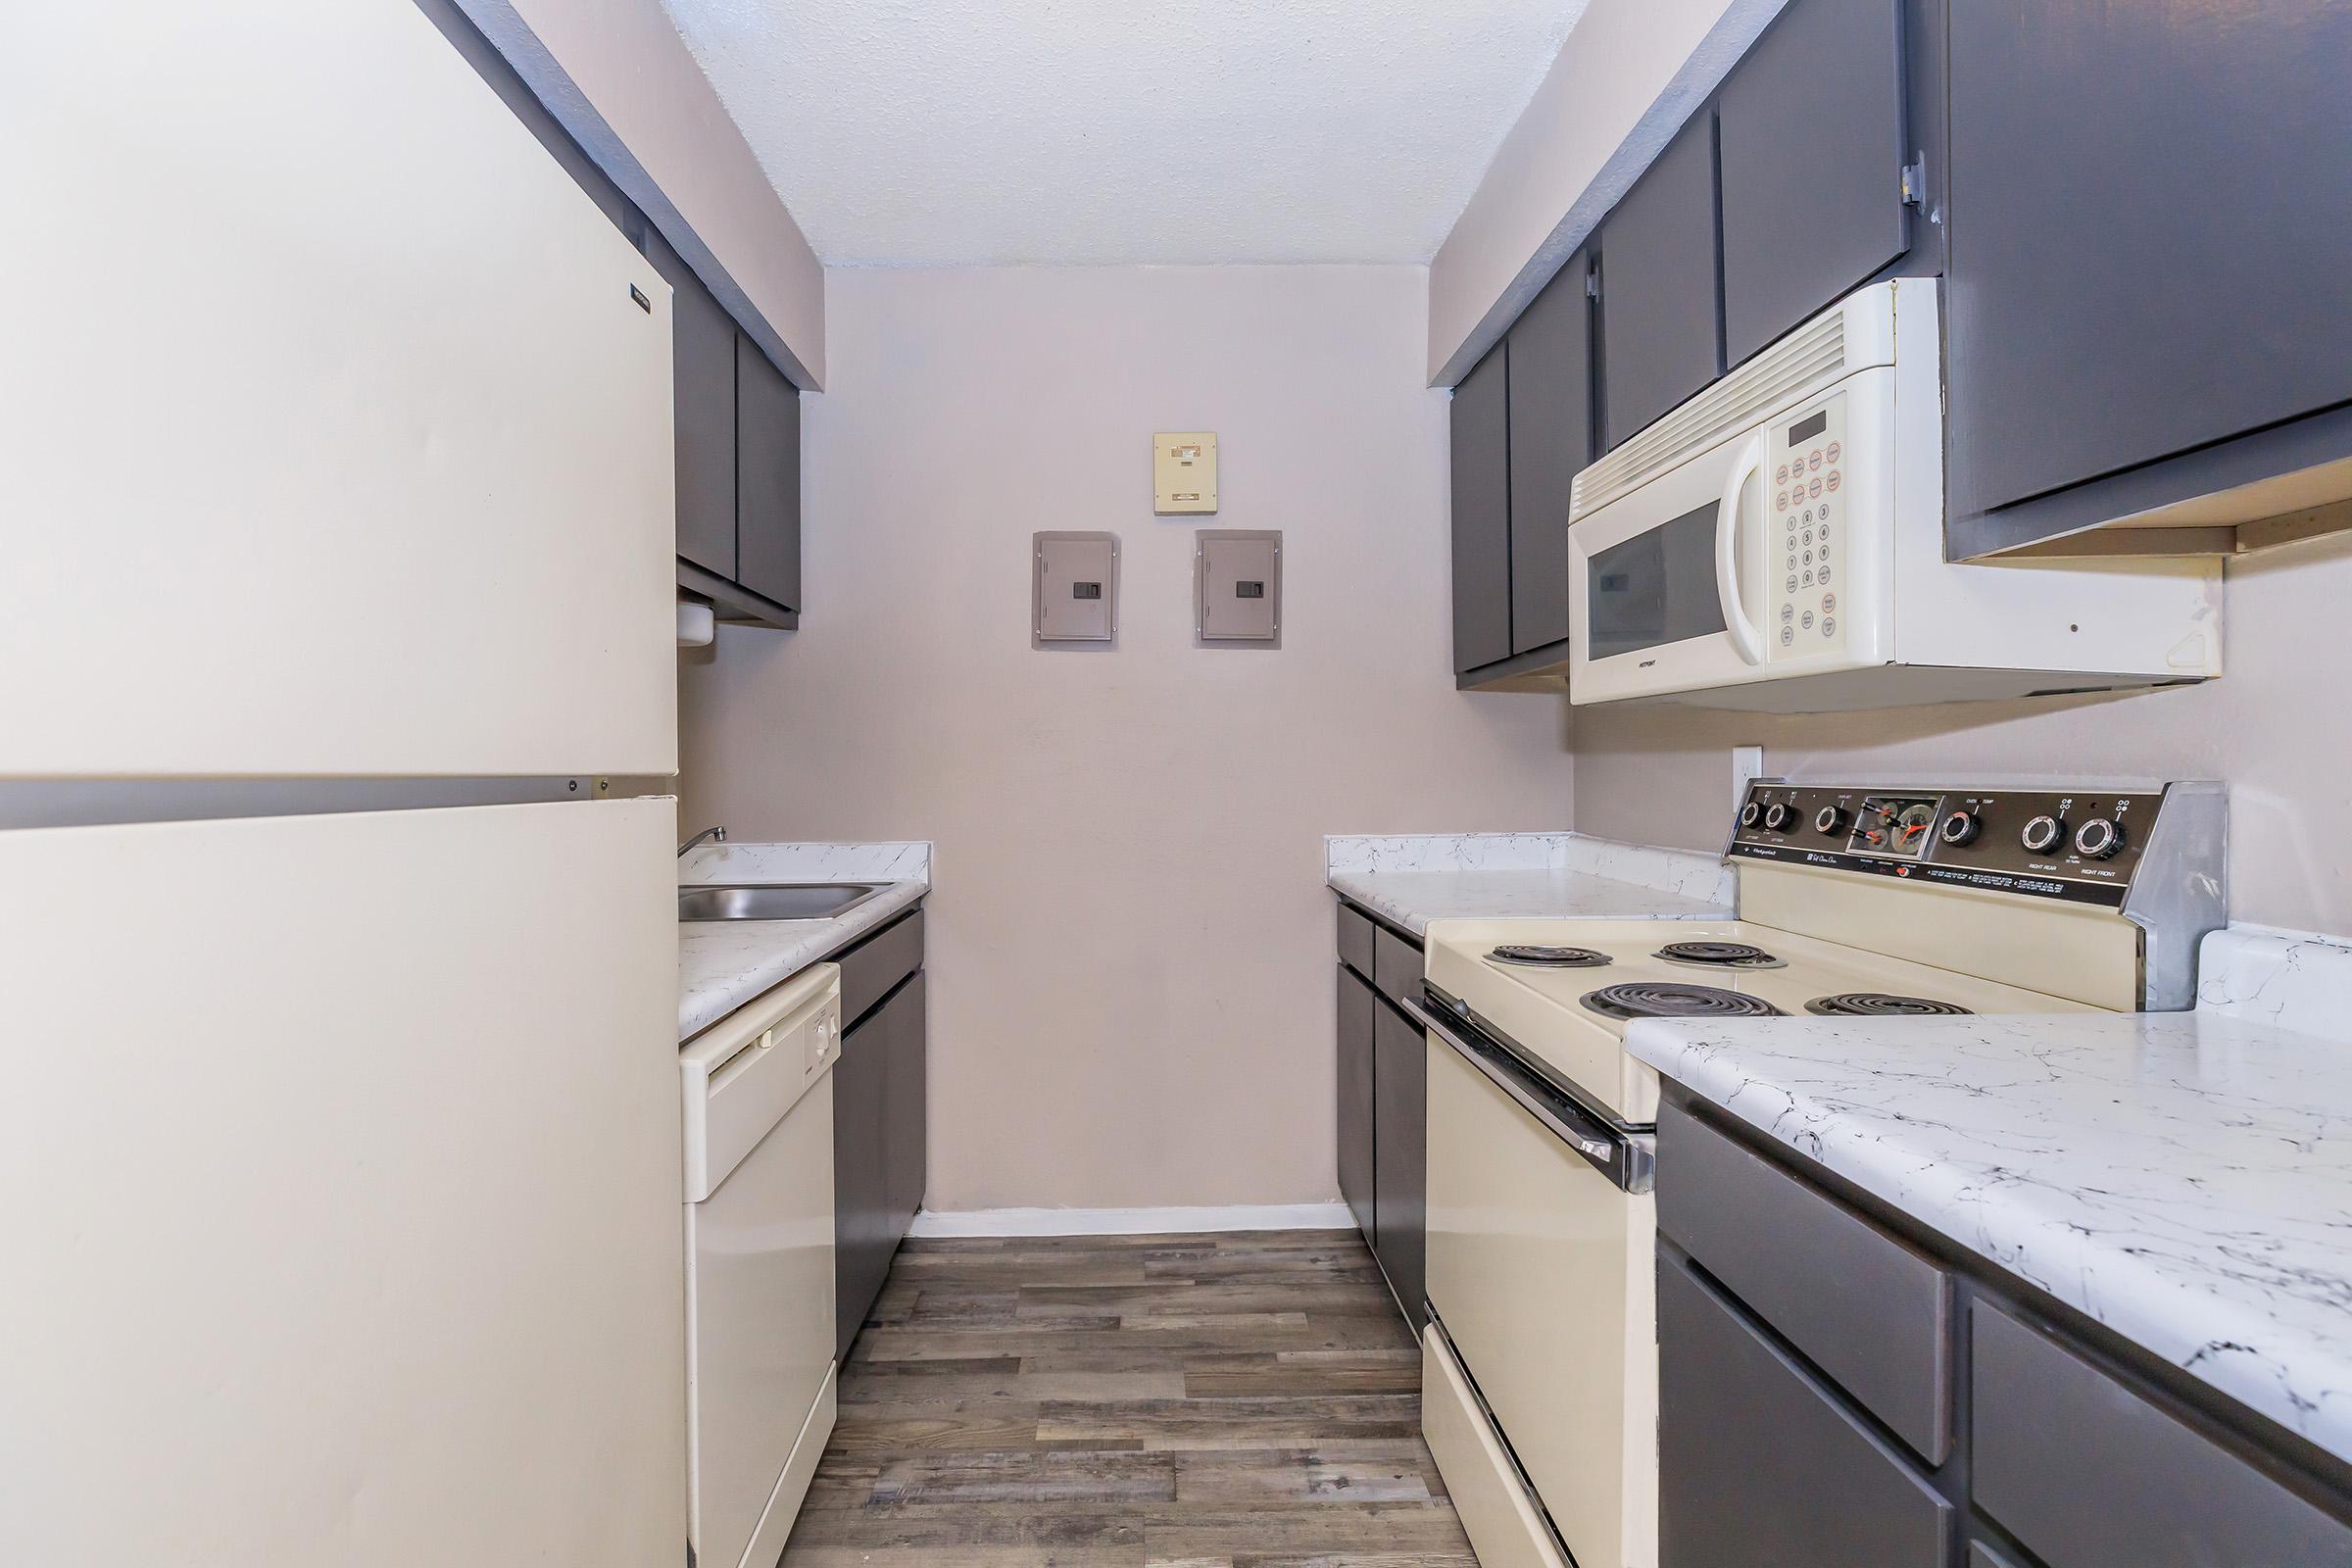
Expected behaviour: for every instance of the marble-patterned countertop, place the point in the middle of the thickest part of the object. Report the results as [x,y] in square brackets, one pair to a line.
[2183,1178]
[1413,881]
[724,963]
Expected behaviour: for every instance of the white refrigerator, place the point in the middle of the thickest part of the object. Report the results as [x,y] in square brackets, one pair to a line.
[339,1134]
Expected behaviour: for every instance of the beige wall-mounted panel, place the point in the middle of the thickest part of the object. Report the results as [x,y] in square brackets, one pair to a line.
[1184,472]
[1236,587]
[335,431]
[1074,599]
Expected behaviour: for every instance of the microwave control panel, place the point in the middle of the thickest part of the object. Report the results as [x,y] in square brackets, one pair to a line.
[2079,845]
[1805,535]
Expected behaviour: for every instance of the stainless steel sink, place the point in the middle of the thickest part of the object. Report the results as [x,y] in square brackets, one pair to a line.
[775,900]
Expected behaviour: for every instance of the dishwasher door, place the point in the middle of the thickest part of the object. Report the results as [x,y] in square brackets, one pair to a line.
[759,1266]
[1541,1277]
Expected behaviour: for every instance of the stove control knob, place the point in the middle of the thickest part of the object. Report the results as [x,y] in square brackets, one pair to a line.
[1829,821]
[1749,813]
[1777,816]
[1962,827]
[2098,838]
[2044,834]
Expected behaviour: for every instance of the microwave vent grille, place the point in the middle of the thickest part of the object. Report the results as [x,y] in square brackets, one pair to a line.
[1814,354]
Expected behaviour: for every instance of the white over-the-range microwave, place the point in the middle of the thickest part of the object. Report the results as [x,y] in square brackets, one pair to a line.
[1776,545]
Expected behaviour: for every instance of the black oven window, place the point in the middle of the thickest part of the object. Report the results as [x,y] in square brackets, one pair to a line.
[1655,588]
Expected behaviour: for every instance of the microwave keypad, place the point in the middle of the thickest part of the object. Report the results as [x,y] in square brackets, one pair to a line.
[1806,534]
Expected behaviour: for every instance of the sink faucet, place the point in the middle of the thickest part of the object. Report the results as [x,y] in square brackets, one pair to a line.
[716,835]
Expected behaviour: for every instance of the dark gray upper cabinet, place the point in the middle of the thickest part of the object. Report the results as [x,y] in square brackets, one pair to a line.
[1659,288]
[1812,131]
[1550,441]
[1482,514]
[703,369]
[768,477]
[2148,235]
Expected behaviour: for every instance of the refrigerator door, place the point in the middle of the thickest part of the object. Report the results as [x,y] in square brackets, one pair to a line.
[335,420]
[340,1178]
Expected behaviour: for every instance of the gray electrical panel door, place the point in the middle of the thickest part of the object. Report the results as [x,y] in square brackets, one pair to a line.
[1812,131]
[768,477]
[1550,442]
[702,372]
[2149,230]
[1236,586]
[1482,513]
[1659,288]
[1074,590]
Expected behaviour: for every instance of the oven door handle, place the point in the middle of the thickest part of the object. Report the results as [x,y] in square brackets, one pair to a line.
[1745,637]
[1626,1158]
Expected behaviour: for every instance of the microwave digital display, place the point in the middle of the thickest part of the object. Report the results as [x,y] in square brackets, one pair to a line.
[1655,588]
[1804,430]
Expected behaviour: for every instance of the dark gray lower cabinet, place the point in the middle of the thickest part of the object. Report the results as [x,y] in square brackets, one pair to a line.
[1383,1083]
[880,1117]
[1356,1005]
[1401,1157]
[2089,1474]
[1798,1331]
[1758,1466]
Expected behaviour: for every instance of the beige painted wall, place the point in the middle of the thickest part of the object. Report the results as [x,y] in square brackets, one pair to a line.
[621,79]
[2277,727]
[1625,82]
[1131,945]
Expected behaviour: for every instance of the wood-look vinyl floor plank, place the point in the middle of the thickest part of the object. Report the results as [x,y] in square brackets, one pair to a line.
[1213,1401]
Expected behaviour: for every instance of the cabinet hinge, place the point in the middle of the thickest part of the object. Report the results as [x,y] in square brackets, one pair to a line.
[1593,284]
[1915,183]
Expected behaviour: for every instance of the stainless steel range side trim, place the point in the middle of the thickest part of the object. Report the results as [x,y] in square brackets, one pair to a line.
[2181,892]
[1628,1160]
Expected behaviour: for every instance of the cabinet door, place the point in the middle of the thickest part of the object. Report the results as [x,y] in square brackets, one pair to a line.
[1812,131]
[1482,514]
[1757,1466]
[337,395]
[2147,232]
[1551,441]
[906,1106]
[861,1205]
[1401,1156]
[768,477]
[703,369]
[1355,1009]
[1659,287]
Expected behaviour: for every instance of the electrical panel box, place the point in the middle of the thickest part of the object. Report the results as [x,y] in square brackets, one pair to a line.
[1184,472]
[1074,590]
[1236,587]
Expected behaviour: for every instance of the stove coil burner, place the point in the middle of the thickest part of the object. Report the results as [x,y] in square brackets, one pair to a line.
[1880,1005]
[1546,958]
[1719,955]
[1663,999]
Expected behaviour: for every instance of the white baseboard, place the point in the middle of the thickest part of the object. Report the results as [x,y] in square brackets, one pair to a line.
[1132,1221]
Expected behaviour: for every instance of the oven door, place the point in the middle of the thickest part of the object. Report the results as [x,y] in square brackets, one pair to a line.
[1540,1274]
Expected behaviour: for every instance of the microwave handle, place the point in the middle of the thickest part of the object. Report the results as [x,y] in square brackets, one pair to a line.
[1744,635]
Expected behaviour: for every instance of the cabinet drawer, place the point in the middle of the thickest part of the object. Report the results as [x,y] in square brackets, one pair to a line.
[1757,1466]
[1356,939]
[870,970]
[2088,1474]
[1396,965]
[1871,1312]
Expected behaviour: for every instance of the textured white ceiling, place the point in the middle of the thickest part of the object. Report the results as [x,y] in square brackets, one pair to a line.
[1000,131]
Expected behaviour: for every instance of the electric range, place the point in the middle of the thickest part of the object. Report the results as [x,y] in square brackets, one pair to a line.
[1541,1357]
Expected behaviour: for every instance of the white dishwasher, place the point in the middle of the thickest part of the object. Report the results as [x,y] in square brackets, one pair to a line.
[759,1393]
